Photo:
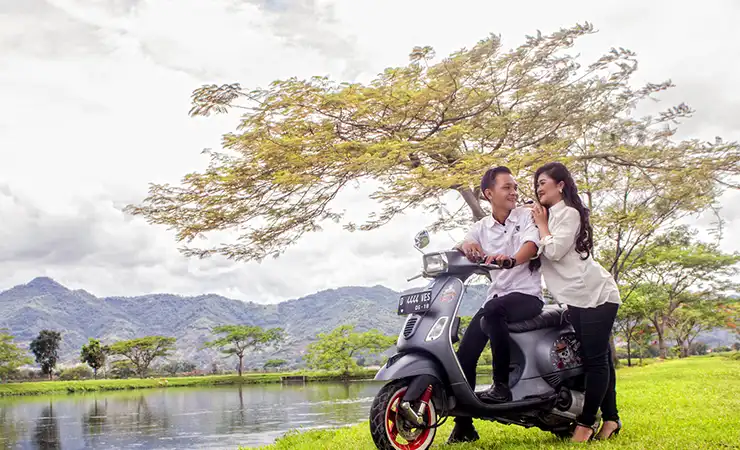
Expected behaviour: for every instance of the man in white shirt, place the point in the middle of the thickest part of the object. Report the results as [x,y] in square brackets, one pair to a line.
[514,294]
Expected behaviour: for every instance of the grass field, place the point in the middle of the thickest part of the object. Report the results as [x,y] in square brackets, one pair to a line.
[691,403]
[57,387]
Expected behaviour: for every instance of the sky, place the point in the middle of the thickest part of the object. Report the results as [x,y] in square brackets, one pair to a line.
[96,94]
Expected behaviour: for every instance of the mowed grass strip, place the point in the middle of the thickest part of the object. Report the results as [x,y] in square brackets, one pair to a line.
[59,387]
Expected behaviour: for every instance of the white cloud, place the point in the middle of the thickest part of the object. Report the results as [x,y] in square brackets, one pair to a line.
[96,96]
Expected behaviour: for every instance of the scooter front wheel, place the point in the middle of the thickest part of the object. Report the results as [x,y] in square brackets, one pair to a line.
[390,430]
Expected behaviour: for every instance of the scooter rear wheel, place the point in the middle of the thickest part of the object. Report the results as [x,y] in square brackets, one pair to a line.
[390,430]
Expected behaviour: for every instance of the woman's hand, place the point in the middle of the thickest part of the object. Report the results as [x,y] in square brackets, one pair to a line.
[539,215]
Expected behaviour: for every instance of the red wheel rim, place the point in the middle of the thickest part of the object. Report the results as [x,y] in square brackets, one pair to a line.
[392,431]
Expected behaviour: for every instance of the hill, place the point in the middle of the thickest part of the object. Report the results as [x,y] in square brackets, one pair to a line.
[45,304]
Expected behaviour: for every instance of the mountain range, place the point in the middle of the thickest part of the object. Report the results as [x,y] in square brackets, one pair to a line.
[44,303]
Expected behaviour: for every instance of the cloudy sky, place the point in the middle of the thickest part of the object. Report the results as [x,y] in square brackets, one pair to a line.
[96,92]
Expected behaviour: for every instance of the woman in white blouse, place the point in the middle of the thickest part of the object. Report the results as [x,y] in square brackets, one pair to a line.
[577,280]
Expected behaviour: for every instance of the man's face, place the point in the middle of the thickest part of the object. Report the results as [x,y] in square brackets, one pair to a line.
[504,192]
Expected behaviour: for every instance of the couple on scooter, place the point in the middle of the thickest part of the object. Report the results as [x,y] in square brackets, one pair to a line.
[553,239]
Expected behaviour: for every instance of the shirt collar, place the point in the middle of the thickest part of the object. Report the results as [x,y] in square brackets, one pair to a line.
[492,222]
[559,206]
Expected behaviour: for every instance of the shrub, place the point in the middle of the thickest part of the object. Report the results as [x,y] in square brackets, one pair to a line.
[80,372]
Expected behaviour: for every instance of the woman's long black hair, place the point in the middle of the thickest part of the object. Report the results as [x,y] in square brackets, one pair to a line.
[558,172]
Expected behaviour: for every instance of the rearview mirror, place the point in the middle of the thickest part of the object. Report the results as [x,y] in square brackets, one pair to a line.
[421,239]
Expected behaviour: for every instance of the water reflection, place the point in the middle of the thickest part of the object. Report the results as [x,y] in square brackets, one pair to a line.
[46,433]
[10,430]
[94,422]
[214,417]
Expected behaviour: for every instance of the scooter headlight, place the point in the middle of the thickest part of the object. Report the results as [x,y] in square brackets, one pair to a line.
[435,263]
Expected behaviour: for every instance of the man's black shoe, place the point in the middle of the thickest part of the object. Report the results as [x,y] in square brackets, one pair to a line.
[499,393]
[463,433]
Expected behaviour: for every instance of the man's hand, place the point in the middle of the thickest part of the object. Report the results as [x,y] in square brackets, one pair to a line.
[473,251]
[498,258]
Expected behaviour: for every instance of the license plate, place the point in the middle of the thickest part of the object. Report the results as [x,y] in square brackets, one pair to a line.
[417,302]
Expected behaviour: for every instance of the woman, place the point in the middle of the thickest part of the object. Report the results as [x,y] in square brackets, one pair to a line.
[577,280]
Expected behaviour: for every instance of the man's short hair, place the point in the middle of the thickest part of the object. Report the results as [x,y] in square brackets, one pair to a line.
[489,178]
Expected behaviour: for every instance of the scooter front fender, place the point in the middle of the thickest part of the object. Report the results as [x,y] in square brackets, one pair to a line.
[410,365]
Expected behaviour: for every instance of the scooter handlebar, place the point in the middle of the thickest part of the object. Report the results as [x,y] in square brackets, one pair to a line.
[505,264]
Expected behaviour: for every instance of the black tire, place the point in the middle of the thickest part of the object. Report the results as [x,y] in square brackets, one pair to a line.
[381,414]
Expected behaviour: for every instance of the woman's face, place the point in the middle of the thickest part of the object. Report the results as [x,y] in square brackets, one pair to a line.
[548,191]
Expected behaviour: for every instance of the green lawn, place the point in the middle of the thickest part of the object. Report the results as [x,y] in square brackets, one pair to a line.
[57,387]
[678,404]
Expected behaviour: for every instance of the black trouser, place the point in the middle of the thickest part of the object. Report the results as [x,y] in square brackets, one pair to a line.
[498,311]
[593,327]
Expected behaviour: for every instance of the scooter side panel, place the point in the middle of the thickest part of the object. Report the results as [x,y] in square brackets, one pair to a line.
[550,351]
[410,365]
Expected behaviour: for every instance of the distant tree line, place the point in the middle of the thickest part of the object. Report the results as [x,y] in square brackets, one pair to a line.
[342,349]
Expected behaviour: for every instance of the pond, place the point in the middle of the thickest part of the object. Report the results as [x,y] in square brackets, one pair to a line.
[179,418]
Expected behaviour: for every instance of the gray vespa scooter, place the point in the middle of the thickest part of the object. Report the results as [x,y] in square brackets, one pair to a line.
[426,383]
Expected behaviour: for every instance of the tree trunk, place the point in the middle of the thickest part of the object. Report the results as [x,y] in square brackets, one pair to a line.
[659,327]
[629,353]
[241,360]
[95,373]
[663,354]
[613,350]
[684,349]
[469,196]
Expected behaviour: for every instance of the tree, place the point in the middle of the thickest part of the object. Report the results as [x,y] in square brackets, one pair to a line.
[338,349]
[630,316]
[142,351]
[429,129]
[175,367]
[692,318]
[238,339]
[94,355]
[643,337]
[11,356]
[274,363]
[679,270]
[46,350]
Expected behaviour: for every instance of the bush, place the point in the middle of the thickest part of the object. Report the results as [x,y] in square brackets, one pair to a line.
[698,348]
[175,367]
[122,369]
[80,372]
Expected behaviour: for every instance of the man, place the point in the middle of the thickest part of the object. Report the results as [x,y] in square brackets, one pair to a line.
[514,294]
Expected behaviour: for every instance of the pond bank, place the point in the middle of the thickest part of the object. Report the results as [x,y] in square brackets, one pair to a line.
[60,387]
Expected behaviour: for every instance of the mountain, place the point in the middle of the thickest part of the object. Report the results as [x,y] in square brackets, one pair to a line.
[45,304]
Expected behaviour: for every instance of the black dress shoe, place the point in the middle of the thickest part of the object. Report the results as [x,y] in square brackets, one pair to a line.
[498,393]
[463,433]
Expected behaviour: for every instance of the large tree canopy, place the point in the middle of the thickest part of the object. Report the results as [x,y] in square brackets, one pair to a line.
[431,128]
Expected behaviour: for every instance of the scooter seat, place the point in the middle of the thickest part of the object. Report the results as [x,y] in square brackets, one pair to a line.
[551,316]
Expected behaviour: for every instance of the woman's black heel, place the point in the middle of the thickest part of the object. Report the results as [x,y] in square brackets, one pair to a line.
[614,433]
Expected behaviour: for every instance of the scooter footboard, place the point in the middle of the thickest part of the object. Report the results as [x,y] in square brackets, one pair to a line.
[410,365]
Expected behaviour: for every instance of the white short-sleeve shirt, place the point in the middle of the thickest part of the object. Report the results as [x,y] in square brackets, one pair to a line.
[507,239]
